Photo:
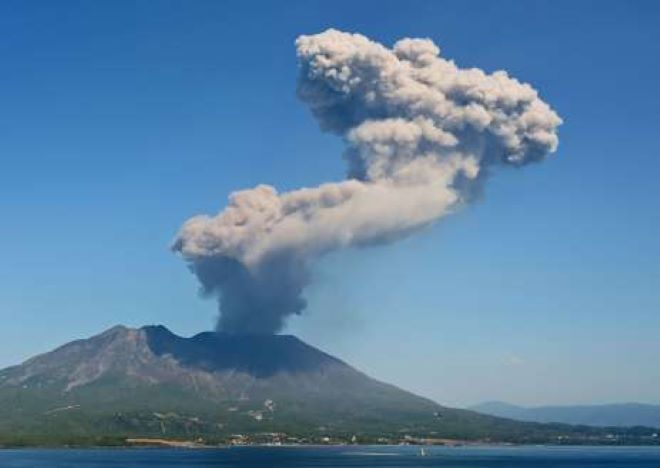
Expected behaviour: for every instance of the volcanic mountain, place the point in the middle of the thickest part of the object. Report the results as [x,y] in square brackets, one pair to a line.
[149,382]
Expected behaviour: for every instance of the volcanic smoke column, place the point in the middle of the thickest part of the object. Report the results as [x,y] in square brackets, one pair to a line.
[421,136]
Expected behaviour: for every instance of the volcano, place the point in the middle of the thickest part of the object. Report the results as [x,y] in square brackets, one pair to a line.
[149,382]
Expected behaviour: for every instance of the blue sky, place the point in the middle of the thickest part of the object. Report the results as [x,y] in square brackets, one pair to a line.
[122,119]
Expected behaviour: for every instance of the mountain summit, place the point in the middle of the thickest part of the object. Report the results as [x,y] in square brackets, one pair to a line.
[149,382]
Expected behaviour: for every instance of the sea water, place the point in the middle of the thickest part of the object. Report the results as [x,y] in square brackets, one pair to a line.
[353,456]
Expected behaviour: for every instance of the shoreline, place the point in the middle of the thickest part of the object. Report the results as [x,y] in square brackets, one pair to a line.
[162,444]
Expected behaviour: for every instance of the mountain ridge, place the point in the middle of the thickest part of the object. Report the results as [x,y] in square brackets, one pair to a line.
[613,414]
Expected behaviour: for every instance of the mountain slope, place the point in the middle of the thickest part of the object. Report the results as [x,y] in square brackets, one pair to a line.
[210,367]
[621,414]
[150,382]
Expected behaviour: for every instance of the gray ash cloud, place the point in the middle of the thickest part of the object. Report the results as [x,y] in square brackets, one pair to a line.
[421,135]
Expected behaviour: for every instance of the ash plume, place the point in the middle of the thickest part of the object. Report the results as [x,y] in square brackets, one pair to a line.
[421,136]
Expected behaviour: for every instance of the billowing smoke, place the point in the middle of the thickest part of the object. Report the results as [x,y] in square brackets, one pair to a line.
[421,136]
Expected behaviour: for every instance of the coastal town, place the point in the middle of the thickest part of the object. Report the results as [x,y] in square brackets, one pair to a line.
[275,439]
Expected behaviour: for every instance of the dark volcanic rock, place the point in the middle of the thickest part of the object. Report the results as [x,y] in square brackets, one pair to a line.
[257,355]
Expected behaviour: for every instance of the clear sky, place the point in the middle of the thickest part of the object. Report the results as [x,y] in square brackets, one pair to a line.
[120,120]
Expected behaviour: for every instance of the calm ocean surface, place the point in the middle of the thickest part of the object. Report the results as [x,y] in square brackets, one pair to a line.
[483,457]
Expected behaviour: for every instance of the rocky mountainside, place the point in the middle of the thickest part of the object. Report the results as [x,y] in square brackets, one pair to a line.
[149,382]
[221,369]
